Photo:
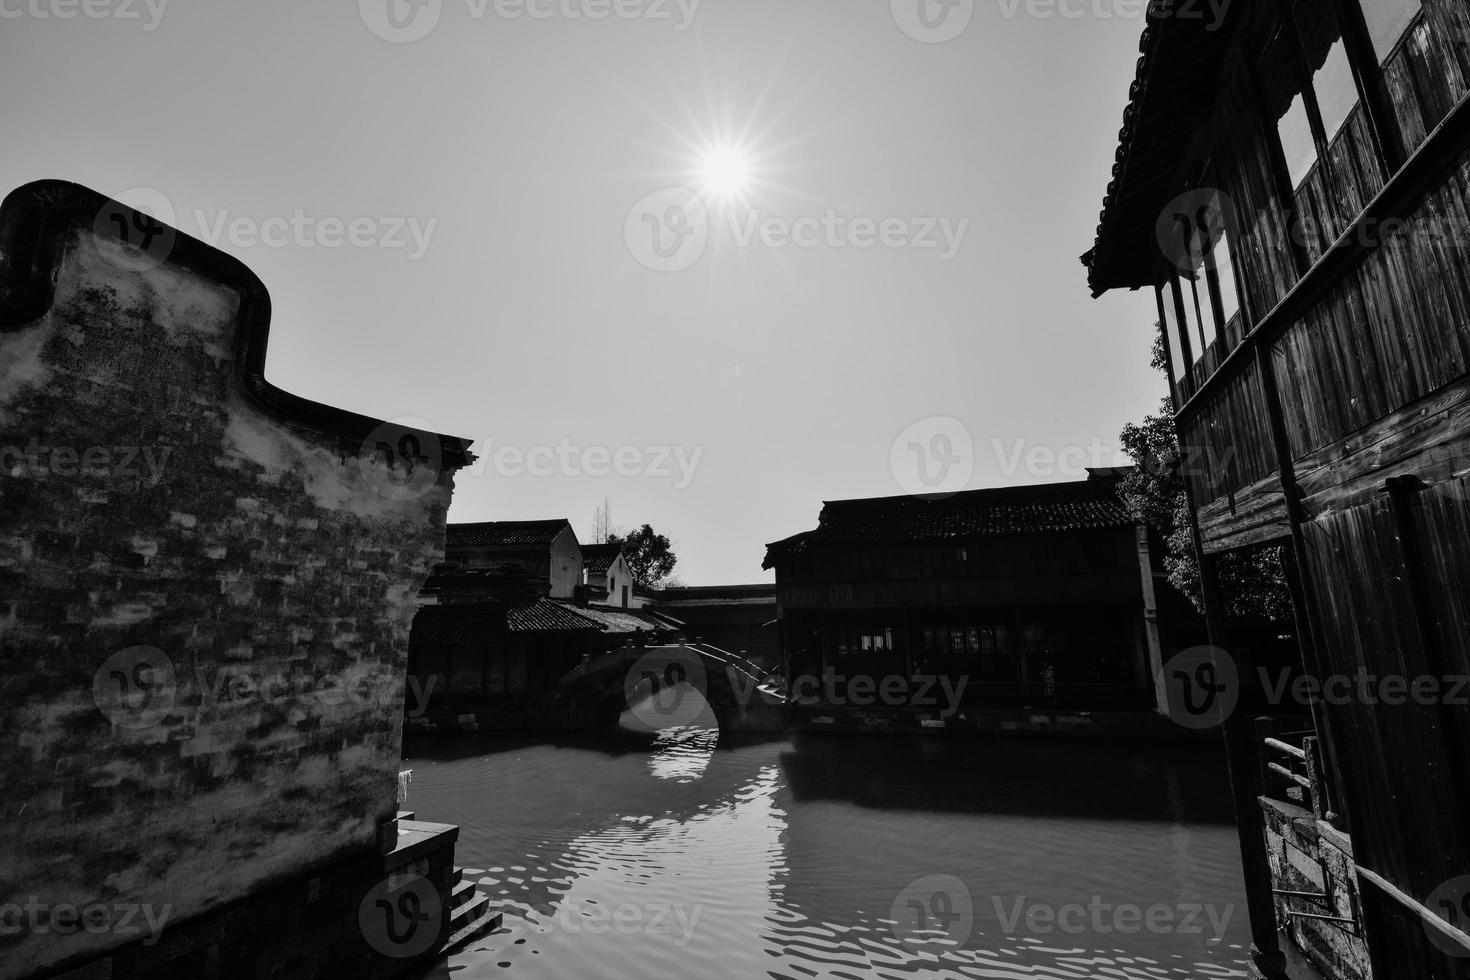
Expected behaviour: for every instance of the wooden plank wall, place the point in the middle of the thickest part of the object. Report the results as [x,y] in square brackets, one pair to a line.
[1244,169]
[1227,445]
[1392,333]
[1373,384]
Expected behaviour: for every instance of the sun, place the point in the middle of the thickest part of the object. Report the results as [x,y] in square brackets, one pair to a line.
[725,170]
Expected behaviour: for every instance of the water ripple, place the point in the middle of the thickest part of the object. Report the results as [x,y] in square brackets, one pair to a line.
[681,855]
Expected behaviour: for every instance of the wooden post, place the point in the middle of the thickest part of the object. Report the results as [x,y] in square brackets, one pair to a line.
[1314,776]
[1244,764]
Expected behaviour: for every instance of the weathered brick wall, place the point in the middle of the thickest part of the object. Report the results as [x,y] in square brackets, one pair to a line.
[1309,855]
[204,611]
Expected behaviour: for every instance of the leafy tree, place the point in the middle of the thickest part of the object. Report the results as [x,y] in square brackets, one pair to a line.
[649,554]
[1253,582]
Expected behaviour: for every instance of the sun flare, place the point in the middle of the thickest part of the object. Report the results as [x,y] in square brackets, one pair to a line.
[725,171]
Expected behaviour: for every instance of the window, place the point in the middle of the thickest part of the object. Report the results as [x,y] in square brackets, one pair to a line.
[1295,132]
[1199,280]
[1337,93]
[1190,297]
[1225,276]
[874,640]
[1171,328]
[968,641]
[1387,22]
[1308,82]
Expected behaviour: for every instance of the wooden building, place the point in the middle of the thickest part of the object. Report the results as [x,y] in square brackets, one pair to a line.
[547,548]
[1293,184]
[488,637]
[1039,595]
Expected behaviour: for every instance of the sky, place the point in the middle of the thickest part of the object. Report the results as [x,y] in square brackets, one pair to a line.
[711,262]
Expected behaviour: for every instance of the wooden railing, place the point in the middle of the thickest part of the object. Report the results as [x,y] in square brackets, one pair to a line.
[1295,772]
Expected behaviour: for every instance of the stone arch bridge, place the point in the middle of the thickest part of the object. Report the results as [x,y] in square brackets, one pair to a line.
[665,686]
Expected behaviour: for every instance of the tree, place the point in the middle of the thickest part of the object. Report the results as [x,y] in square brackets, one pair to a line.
[649,554]
[1253,582]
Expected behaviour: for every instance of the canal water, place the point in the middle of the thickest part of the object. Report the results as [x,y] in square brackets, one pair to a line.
[678,854]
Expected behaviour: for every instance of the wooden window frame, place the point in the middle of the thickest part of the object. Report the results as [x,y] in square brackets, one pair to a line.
[1172,281]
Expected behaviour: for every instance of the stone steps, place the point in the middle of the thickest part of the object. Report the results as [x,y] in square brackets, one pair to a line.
[470,914]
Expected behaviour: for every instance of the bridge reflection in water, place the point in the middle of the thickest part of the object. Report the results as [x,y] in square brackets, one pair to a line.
[685,852]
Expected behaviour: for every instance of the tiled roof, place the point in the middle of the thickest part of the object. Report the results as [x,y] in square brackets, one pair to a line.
[457,625]
[759,593]
[1047,508]
[505,532]
[620,620]
[546,616]
[1173,91]
[598,558]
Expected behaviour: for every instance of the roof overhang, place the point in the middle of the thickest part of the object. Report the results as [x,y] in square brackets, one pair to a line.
[1170,104]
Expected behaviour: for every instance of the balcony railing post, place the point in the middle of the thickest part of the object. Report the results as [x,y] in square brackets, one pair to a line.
[1311,747]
